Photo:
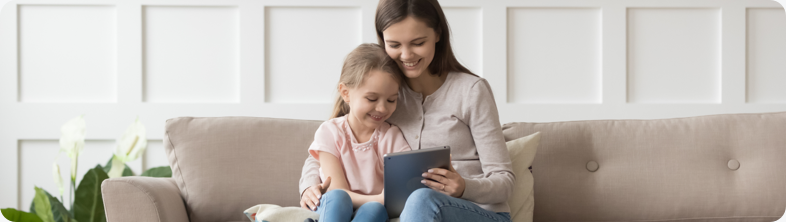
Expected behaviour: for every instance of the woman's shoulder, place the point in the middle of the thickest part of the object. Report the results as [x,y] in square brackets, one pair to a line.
[464,82]
[463,78]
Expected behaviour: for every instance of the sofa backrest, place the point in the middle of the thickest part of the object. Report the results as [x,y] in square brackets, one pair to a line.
[223,165]
[708,168]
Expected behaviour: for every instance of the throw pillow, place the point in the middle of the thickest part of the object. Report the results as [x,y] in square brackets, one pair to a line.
[275,213]
[522,153]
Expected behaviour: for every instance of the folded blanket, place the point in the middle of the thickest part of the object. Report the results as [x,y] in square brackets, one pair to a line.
[275,213]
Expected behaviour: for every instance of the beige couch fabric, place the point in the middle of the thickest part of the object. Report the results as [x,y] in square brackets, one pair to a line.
[660,170]
[605,170]
[224,165]
[143,199]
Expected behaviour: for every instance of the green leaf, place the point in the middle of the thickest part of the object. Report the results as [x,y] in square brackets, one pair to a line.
[163,171]
[89,204]
[43,208]
[19,216]
[126,172]
[58,210]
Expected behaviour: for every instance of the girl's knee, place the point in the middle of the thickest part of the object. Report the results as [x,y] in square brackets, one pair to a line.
[339,195]
[337,198]
[371,211]
[373,207]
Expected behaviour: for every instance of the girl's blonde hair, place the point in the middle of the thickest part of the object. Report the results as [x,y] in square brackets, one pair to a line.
[357,65]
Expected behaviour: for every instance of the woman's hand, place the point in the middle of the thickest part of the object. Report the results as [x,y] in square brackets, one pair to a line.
[447,181]
[310,197]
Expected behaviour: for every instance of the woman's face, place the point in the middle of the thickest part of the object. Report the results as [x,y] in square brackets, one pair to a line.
[411,43]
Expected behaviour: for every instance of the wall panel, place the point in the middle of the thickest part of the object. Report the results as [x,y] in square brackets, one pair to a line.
[467,36]
[191,54]
[306,53]
[674,55]
[554,62]
[67,54]
[766,56]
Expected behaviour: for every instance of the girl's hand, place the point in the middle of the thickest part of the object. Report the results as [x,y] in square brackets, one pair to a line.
[310,197]
[447,181]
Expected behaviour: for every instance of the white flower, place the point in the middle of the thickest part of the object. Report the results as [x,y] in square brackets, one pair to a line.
[129,147]
[72,140]
[117,167]
[72,137]
[57,177]
[133,143]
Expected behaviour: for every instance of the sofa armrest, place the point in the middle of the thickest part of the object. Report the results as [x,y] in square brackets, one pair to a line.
[143,199]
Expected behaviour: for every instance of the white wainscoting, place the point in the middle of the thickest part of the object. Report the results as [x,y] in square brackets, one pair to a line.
[546,60]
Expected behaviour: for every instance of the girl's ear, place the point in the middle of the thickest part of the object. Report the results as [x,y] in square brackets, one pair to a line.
[343,90]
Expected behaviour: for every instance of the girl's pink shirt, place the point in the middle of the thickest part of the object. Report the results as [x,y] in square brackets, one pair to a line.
[362,162]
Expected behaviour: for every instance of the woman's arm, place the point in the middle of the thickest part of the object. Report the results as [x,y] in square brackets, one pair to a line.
[483,120]
[310,174]
[331,167]
[310,188]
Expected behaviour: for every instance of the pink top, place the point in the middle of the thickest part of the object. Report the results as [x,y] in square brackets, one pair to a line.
[362,162]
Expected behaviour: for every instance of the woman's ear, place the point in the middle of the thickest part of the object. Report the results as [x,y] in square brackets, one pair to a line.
[343,90]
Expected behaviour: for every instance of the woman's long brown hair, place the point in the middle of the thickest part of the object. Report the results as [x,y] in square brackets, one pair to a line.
[390,12]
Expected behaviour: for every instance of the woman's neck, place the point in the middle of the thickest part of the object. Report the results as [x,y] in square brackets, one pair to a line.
[360,131]
[426,83]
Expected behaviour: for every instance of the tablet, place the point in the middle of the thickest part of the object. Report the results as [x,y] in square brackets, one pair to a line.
[403,173]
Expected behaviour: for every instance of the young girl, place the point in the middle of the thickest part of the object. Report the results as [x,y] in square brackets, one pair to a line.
[351,144]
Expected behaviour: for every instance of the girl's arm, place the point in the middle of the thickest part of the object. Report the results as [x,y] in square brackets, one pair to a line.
[331,167]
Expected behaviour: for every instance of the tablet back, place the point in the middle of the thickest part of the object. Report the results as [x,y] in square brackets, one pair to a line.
[403,173]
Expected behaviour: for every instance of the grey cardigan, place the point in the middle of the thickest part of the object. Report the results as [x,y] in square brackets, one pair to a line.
[463,115]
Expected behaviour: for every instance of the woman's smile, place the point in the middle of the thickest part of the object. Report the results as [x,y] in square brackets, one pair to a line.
[411,65]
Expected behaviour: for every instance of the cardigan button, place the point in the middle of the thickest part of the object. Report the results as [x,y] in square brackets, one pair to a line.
[592,166]
[733,164]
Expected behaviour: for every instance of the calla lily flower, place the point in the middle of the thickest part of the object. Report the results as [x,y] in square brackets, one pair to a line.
[57,177]
[72,140]
[133,143]
[129,147]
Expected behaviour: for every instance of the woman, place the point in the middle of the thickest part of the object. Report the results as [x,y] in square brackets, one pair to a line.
[442,103]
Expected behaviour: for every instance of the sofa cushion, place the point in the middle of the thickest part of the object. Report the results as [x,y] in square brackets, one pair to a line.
[522,153]
[660,170]
[222,165]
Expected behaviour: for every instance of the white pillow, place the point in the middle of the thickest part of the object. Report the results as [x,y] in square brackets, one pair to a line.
[275,213]
[522,153]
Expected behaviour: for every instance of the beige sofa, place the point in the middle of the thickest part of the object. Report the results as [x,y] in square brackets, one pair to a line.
[709,168]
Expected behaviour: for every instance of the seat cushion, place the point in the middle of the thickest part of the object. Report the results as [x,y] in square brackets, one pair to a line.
[660,170]
[223,165]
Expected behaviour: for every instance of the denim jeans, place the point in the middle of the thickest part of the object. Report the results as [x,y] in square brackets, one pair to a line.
[426,204]
[336,206]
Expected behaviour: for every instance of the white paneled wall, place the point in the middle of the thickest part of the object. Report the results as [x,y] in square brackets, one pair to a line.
[546,60]
[191,54]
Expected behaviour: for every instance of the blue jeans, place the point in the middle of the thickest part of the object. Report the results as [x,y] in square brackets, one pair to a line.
[336,206]
[426,204]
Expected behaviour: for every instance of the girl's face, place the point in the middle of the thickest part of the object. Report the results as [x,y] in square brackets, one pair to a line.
[372,102]
[411,43]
